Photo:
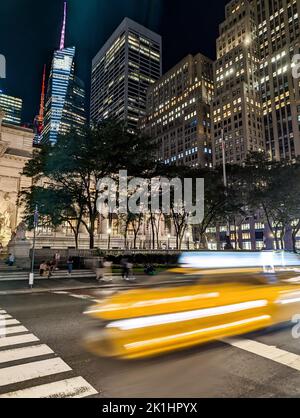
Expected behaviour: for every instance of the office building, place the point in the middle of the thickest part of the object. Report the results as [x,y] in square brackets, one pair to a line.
[178,113]
[237,106]
[122,71]
[279,41]
[257,100]
[65,103]
[12,108]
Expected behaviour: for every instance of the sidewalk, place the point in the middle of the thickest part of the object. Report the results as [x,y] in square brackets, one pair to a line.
[42,285]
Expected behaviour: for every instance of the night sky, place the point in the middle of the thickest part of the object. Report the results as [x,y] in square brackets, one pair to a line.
[30,31]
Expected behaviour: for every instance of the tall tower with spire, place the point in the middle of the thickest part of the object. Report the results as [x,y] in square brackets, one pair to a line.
[65,103]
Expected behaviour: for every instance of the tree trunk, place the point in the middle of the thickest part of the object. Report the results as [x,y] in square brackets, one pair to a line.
[76,235]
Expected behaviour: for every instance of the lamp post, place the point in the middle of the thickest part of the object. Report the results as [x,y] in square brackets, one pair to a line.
[35,224]
[109,231]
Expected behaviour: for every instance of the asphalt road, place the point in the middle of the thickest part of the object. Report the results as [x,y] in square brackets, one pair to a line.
[58,355]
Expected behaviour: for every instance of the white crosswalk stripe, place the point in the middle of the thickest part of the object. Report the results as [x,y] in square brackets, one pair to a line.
[35,368]
[15,330]
[29,371]
[18,340]
[2,317]
[8,322]
[24,353]
[69,388]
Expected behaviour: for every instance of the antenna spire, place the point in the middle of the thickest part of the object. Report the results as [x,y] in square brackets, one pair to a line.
[42,103]
[63,32]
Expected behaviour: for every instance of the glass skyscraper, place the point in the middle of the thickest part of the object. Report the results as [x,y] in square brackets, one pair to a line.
[65,101]
[12,107]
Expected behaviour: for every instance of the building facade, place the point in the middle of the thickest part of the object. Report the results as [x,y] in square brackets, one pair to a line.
[15,150]
[122,71]
[256,105]
[178,113]
[279,40]
[12,108]
[250,234]
[237,106]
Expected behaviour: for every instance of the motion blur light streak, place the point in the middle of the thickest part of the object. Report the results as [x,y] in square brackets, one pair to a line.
[289,298]
[199,331]
[185,316]
[156,302]
[230,260]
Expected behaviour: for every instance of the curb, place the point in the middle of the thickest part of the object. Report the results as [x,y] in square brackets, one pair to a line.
[35,291]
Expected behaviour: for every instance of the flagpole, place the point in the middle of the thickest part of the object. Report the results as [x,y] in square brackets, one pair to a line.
[31,276]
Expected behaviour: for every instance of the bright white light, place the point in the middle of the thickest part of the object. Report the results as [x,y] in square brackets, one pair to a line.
[151,321]
[199,331]
[206,260]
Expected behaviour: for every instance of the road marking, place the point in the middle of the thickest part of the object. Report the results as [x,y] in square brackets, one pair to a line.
[14,330]
[7,322]
[24,353]
[2,317]
[20,339]
[2,312]
[84,297]
[69,388]
[268,352]
[60,293]
[23,372]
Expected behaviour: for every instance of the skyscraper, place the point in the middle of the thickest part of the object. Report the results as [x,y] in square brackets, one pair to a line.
[279,41]
[122,71]
[257,100]
[12,108]
[61,112]
[178,112]
[237,107]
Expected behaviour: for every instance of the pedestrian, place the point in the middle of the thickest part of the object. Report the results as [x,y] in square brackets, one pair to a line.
[11,260]
[56,259]
[107,270]
[50,268]
[43,269]
[70,263]
[100,271]
[124,268]
[129,271]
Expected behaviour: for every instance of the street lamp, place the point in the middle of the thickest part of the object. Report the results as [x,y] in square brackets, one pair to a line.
[109,231]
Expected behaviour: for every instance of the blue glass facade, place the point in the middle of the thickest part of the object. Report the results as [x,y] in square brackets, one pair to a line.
[62,73]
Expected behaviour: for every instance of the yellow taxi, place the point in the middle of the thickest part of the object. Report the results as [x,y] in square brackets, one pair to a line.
[188,306]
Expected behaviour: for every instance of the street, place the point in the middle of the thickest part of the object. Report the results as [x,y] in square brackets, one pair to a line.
[49,350]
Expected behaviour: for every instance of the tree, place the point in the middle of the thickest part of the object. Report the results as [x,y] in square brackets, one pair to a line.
[273,188]
[76,163]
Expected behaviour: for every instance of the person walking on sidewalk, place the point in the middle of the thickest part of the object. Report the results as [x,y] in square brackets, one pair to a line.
[70,265]
[43,269]
[56,260]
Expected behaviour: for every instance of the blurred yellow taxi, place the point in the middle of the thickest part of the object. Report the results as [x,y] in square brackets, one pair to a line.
[198,306]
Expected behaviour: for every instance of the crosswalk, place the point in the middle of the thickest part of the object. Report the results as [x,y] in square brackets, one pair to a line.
[25,361]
